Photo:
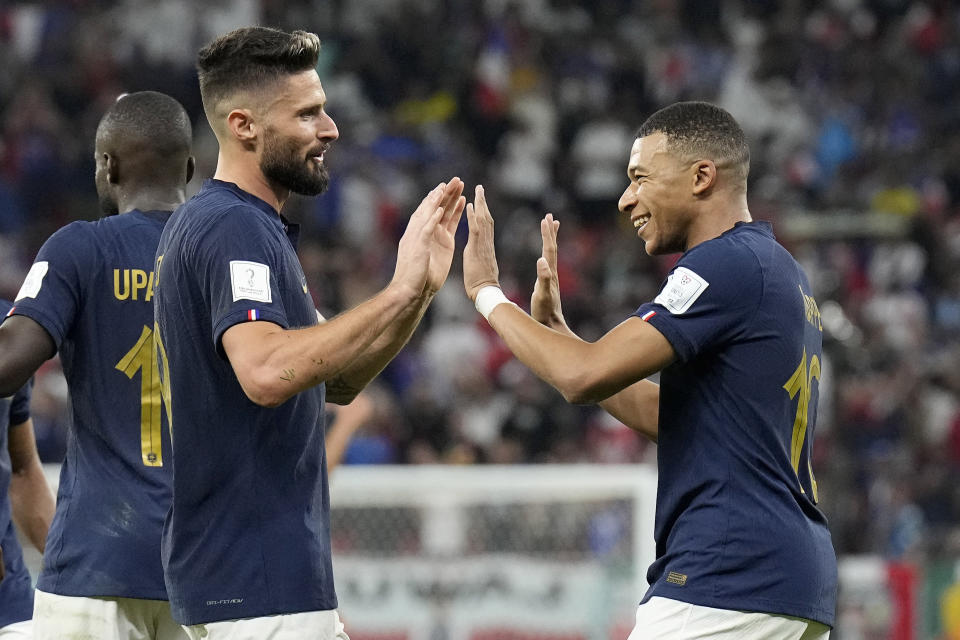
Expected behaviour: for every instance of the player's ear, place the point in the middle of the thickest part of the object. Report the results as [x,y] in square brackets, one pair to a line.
[112,168]
[704,176]
[242,125]
[191,167]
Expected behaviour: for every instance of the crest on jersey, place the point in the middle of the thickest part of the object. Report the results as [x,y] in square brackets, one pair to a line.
[677,578]
[250,281]
[681,291]
[33,281]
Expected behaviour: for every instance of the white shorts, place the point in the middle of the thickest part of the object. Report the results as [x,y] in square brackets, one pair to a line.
[56,617]
[17,631]
[666,619]
[309,625]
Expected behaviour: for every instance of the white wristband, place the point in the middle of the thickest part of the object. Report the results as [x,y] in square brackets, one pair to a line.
[488,298]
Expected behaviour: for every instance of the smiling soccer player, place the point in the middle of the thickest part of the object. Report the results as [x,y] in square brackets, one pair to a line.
[743,552]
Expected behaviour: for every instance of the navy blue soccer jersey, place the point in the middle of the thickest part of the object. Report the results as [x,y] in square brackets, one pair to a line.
[91,289]
[248,533]
[737,526]
[16,589]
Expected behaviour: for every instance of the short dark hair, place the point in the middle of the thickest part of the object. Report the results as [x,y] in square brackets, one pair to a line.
[701,130]
[251,57]
[147,121]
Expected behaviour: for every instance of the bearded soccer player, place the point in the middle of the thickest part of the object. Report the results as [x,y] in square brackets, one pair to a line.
[246,365]
[25,499]
[743,551]
[89,295]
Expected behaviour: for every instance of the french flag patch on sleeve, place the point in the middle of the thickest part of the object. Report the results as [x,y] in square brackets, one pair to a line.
[253,314]
[648,315]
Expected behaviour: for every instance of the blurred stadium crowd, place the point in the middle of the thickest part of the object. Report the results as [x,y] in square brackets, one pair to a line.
[851,107]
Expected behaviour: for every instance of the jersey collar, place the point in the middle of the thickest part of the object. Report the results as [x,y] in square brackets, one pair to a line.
[762,226]
[246,196]
[291,230]
[155,214]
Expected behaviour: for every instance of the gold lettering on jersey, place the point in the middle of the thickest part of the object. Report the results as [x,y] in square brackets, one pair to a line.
[149,288]
[133,284]
[677,578]
[126,284]
[139,277]
[812,310]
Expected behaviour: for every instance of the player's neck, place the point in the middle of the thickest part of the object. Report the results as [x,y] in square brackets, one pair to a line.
[715,220]
[152,199]
[249,177]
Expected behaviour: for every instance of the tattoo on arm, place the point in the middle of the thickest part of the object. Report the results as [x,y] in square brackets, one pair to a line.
[288,375]
[339,388]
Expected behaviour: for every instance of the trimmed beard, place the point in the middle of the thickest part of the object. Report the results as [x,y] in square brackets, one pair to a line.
[280,165]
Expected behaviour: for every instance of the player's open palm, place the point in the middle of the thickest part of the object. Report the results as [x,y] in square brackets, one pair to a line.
[479,256]
[443,242]
[414,248]
[545,301]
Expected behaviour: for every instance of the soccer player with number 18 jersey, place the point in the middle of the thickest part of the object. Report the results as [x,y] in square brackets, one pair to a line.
[89,296]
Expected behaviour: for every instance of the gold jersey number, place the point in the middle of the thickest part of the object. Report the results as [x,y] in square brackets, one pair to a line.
[801,384]
[147,358]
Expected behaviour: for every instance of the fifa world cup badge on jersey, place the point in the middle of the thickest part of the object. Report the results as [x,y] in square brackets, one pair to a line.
[250,281]
[31,284]
[681,291]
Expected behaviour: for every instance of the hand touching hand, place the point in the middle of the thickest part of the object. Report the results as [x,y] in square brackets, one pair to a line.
[545,302]
[425,236]
[479,256]
[443,242]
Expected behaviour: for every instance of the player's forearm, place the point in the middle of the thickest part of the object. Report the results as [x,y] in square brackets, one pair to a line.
[336,442]
[24,346]
[338,438]
[562,360]
[286,362]
[638,407]
[32,504]
[559,325]
[14,370]
[362,370]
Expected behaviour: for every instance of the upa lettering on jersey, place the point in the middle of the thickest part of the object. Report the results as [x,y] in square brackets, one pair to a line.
[33,281]
[681,291]
[133,284]
[250,281]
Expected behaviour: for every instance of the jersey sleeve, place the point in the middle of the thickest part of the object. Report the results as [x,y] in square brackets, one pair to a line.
[239,263]
[20,405]
[51,293]
[707,299]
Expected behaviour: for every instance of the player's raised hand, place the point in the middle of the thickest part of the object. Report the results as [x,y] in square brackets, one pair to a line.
[414,248]
[545,301]
[443,242]
[479,256]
